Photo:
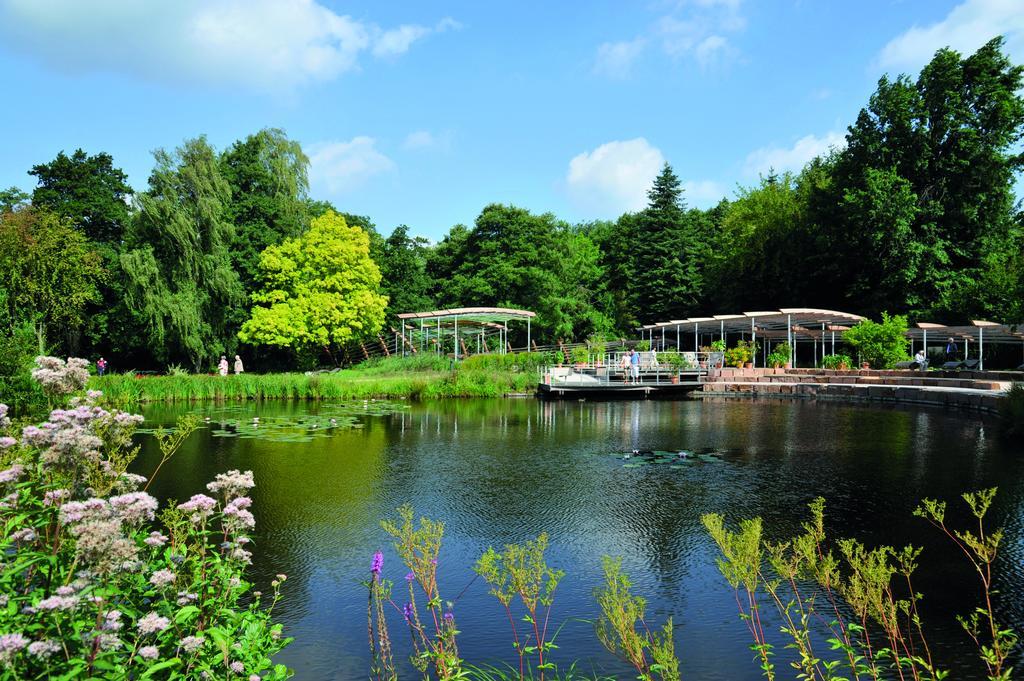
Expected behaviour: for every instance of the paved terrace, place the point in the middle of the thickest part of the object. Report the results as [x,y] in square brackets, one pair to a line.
[976,391]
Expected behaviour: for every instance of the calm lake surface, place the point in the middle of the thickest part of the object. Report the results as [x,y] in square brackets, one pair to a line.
[501,471]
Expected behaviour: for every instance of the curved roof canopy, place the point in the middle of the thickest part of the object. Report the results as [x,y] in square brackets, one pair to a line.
[470,314]
[803,320]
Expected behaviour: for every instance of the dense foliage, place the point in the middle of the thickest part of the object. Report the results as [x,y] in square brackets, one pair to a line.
[914,215]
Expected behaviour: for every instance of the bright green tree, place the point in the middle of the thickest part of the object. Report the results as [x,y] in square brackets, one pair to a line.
[48,274]
[320,290]
[181,284]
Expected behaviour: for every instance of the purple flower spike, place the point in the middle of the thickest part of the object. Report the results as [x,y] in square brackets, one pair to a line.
[378,563]
[449,618]
[409,577]
[407,612]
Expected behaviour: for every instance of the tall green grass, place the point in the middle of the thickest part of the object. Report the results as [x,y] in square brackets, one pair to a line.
[418,377]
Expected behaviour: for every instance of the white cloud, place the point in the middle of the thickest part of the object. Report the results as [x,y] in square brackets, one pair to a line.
[703,193]
[710,50]
[615,60]
[614,177]
[423,140]
[700,33]
[262,44]
[967,27]
[696,29]
[398,40]
[341,166]
[791,158]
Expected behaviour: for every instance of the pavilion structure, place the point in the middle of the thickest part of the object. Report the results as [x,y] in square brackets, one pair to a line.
[979,331]
[469,330]
[822,328]
[792,325]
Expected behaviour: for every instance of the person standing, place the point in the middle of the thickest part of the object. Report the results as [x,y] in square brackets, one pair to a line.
[101,366]
[223,366]
[951,351]
[238,365]
[634,366]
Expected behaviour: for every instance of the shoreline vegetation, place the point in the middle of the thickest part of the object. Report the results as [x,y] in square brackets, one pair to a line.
[420,377]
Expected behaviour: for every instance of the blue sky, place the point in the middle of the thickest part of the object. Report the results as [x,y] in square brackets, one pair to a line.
[421,113]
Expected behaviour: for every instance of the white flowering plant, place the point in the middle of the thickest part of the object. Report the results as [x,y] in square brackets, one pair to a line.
[95,582]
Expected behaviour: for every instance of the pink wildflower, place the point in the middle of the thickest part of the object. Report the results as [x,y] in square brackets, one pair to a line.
[199,506]
[12,474]
[233,483]
[162,578]
[149,652]
[43,649]
[135,507]
[58,603]
[155,539]
[151,623]
[191,644]
[10,644]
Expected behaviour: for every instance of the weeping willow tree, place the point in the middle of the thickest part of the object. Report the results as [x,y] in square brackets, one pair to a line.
[180,282]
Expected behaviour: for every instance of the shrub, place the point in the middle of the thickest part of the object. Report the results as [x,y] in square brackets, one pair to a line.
[780,356]
[1011,408]
[741,354]
[881,344]
[643,346]
[580,355]
[836,362]
[718,346]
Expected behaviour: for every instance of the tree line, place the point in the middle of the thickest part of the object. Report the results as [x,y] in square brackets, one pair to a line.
[226,250]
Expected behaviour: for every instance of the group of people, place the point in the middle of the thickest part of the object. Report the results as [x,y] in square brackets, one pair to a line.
[952,354]
[630,363]
[222,368]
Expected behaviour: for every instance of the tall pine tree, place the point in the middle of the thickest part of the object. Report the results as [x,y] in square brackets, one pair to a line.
[666,248]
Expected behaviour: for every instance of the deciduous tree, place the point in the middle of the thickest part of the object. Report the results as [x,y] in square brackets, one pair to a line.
[320,290]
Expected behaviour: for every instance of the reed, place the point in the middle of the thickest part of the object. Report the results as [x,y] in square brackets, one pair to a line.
[423,377]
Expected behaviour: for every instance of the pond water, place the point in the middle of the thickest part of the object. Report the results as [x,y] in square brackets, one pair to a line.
[500,471]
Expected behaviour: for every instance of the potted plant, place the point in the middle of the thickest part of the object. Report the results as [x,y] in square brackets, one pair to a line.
[780,356]
[598,347]
[718,348]
[560,358]
[837,362]
[740,355]
[580,356]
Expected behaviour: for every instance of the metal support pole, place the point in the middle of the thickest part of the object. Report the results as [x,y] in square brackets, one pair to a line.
[677,338]
[925,345]
[439,336]
[753,343]
[527,334]
[456,344]
[981,349]
[663,339]
[721,330]
[791,339]
[696,337]
[833,342]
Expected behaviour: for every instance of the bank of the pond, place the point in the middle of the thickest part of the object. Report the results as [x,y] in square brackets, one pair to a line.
[413,379]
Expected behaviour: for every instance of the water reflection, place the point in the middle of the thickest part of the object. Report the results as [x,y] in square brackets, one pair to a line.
[499,471]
